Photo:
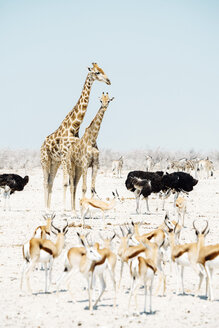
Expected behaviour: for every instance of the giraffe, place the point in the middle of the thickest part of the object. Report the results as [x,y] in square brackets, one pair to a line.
[84,153]
[57,144]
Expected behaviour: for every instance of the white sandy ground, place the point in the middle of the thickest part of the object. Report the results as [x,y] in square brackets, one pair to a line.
[18,309]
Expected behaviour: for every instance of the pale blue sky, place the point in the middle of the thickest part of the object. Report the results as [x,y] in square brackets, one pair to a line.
[162,58]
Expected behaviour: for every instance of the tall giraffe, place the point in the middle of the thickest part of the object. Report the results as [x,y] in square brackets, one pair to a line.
[84,153]
[57,144]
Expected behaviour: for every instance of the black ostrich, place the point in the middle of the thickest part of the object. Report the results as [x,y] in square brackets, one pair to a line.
[177,182]
[144,183]
[11,183]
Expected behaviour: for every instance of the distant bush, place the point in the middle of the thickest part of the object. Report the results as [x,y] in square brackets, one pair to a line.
[135,159]
[19,158]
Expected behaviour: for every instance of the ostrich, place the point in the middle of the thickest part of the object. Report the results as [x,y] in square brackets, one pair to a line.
[178,182]
[11,183]
[144,183]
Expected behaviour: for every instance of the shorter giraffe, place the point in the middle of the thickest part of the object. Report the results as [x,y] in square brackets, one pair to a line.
[84,153]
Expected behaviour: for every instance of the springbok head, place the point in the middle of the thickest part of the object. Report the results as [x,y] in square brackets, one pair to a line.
[57,231]
[202,232]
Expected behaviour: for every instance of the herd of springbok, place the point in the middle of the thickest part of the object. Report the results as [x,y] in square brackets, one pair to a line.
[146,254]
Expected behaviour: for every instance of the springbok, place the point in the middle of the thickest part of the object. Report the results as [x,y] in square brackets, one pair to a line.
[149,163]
[39,250]
[43,231]
[181,208]
[157,237]
[142,269]
[89,204]
[117,167]
[184,254]
[206,168]
[84,260]
[208,260]
[108,262]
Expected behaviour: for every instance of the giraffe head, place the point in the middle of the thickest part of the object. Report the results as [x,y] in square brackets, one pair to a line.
[98,74]
[105,100]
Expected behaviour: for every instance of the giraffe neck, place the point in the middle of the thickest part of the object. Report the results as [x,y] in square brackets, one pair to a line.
[73,120]
[91,133]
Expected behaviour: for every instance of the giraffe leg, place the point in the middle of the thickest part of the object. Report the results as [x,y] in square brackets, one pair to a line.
[84,185]
[65,182]
[94,175]
[72,186]
[53,170]
[78,172]
[45,163]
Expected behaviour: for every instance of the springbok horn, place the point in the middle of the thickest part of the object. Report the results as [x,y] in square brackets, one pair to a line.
[64,229]
[53,215]
[56,228]
[87,234]
[123,234]
[81,239]
[205,229]
[176,226]
[113,236]
[116,234]
[128,229]
[195,226]
[45,216]
[89,244]
[166,216]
